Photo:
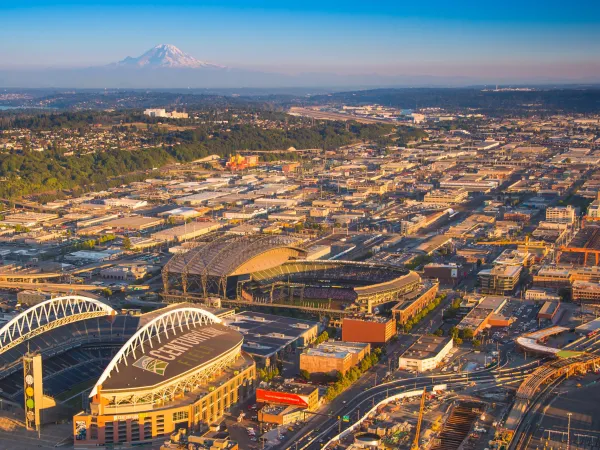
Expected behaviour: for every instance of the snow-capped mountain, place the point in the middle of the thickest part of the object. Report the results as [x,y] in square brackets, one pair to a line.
[166,56]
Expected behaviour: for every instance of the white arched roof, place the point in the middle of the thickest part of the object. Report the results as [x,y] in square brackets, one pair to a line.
[161,325]
[48,315]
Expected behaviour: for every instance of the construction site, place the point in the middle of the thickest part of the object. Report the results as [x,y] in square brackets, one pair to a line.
[437,420]
[584,248]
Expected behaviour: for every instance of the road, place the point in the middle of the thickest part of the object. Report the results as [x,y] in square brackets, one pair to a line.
[52,287]
[351,402]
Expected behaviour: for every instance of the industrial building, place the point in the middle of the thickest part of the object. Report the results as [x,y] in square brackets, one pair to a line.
[134,223]
[186,232]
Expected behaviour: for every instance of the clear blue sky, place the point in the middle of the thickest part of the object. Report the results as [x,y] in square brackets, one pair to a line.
[438,37]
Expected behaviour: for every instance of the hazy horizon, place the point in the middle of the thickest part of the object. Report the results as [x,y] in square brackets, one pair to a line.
[528,42]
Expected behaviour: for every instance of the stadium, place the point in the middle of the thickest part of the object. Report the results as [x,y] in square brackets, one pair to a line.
[121,378]
[272,269]
[333,284]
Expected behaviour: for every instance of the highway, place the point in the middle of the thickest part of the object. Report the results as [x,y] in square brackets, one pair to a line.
[312,438]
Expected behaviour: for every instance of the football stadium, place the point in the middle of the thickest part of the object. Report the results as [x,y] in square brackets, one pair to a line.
[272,269]
[121,378]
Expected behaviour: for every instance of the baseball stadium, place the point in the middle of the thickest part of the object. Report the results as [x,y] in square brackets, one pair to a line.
[267,269]
[121,378]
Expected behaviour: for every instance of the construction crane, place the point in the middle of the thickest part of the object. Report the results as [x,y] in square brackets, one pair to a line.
[415,445]
[527,244]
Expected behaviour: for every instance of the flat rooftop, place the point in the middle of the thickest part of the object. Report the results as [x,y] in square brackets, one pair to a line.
[337,349]
[265,334]
[426,347]
[133,222]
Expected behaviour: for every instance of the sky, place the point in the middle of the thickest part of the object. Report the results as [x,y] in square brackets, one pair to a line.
[526,38]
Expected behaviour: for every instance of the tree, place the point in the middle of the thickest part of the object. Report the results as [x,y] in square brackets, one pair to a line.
[476,343]
[467,333]
[127,243]
[324,336]
[106,292]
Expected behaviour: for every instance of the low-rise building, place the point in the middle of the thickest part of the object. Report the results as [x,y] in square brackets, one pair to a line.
[486,312]
[586,292]
[447,274]
[425,354]
[500,280]
[549,310]
[269,335]
[125,273]
[331,358]
[371,329]
[538,294]
[409,308]
[186,232]
[561,214]
[286,403]
[446,196]
[30,298]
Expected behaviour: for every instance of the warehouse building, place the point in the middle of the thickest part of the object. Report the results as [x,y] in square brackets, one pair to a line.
[186,232]
[134,223]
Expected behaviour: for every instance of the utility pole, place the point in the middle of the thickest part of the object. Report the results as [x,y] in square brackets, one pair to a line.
[569,431]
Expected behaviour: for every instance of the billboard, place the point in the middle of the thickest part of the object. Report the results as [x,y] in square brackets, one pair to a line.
[285,398]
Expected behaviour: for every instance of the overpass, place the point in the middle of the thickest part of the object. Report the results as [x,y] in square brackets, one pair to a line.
[42,276]
[49,287]
[529,388]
